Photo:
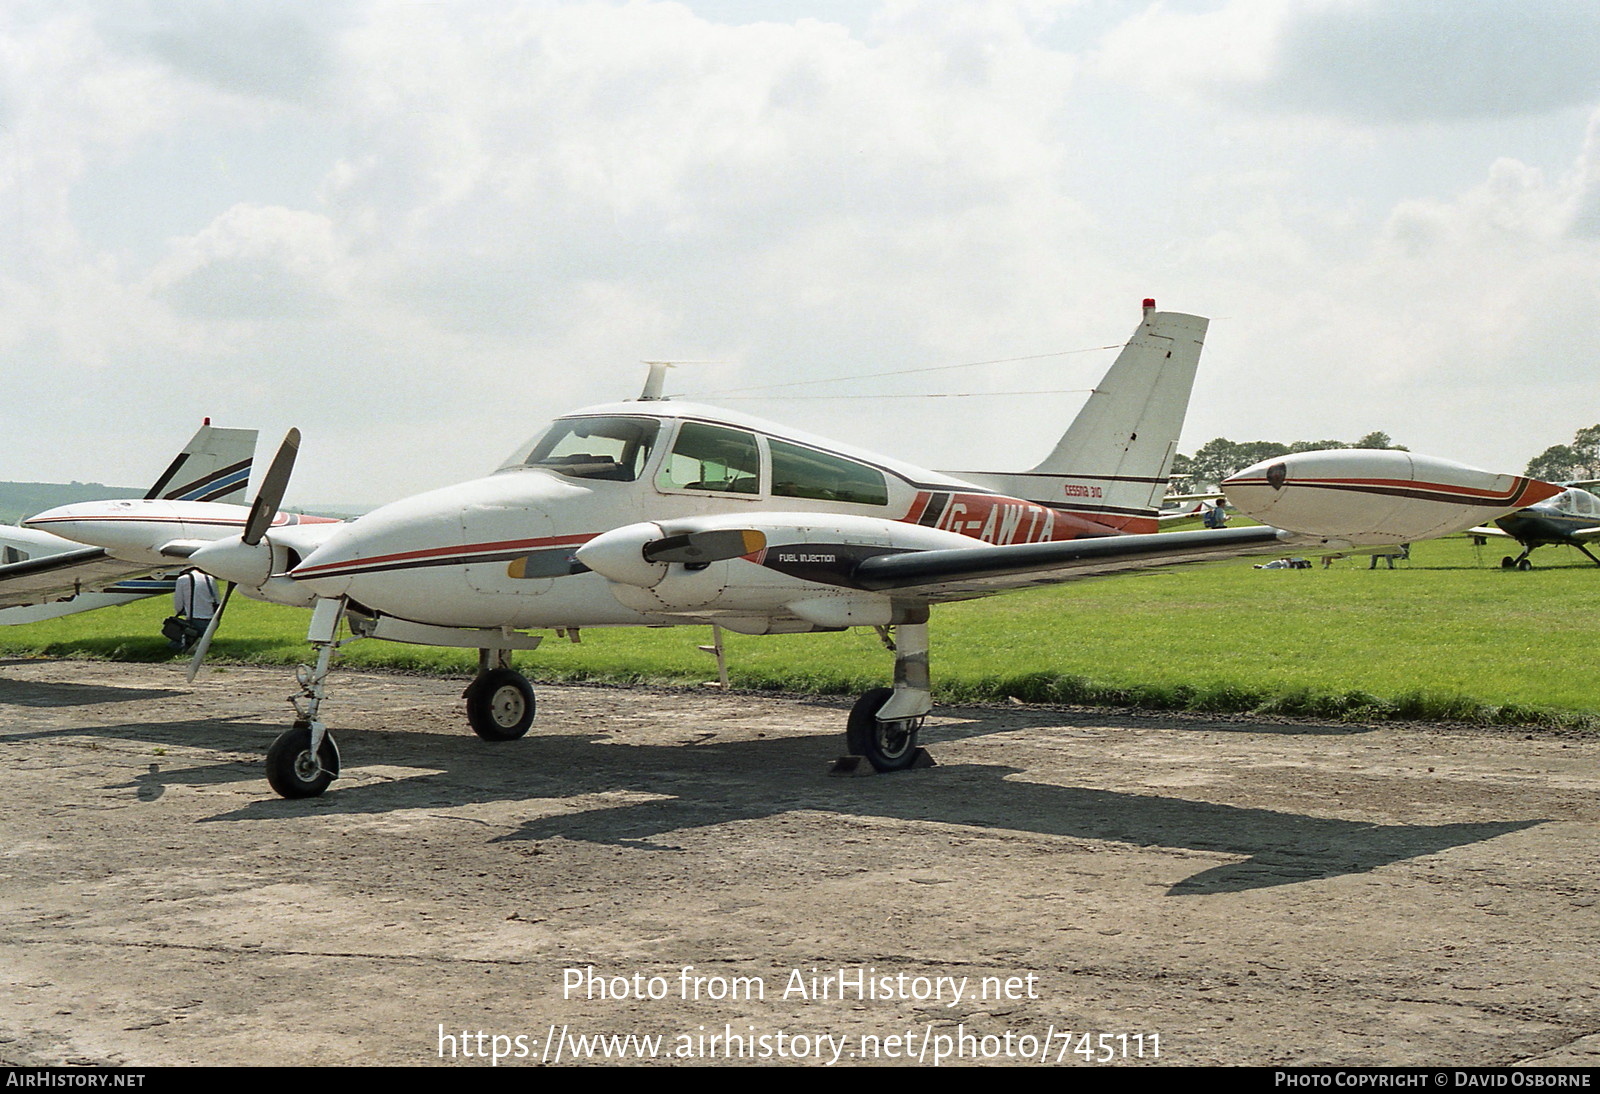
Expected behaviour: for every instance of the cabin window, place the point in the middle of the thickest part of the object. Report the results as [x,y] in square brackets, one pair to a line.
[806,473]
[712,458]
[594,448]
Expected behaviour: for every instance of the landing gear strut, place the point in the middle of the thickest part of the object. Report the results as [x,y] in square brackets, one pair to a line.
[304,760]
[884,723]
[500,703]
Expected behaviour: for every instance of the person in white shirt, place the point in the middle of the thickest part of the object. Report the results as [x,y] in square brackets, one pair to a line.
[194,600]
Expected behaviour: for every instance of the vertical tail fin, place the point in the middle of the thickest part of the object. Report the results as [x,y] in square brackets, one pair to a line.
[1112,463]
[213,466]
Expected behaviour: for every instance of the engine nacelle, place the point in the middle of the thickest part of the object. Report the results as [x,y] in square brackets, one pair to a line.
[1373,496]
[803,570]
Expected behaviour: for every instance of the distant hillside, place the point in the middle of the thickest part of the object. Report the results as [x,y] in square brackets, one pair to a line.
[24,499]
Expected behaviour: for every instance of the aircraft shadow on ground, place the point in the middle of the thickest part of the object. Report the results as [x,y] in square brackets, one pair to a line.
[27,693]
[961,723]
[714,783]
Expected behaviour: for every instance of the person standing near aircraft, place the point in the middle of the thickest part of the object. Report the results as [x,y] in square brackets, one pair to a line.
[194,600]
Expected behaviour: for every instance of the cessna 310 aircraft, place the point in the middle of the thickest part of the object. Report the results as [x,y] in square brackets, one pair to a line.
[657,513]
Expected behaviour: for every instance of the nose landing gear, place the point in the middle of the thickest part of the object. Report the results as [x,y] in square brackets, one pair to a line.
[304,759]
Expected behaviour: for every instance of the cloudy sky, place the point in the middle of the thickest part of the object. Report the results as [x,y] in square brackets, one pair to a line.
[418,229]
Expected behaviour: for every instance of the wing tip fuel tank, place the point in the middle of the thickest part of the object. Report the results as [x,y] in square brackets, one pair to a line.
[1373,496]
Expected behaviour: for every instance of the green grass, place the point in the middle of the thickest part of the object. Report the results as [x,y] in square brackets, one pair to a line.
[1450,635]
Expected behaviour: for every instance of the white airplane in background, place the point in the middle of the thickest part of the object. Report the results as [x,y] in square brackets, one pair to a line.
[660,513]
[43,576]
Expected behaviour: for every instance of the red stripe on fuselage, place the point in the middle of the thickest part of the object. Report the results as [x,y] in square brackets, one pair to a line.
[434,554]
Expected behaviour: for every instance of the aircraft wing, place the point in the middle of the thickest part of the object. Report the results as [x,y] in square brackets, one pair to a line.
[1485,530]
[60,574]
[965,573]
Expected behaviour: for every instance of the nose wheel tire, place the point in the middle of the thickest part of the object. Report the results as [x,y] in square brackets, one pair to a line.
[293,771]
[500,705]
[888,746]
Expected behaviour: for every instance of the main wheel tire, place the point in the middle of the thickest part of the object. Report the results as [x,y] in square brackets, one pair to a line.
[1525,565]
[500,705]
[291,769]
[888,746]
[1508,563]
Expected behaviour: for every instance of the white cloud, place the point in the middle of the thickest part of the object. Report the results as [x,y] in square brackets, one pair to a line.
[443,221]
[1368,61]
[255,262]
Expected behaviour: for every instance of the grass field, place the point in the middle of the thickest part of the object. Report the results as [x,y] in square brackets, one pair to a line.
[1449,635]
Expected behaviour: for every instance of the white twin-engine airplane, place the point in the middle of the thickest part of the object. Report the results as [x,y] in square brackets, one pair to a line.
[659,513]
[43,576]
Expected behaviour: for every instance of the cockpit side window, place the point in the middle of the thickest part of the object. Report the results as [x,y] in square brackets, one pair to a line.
[614,449]
[712,458]
[806,473]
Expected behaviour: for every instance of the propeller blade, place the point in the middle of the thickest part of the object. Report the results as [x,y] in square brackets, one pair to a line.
[273,484]
[204,644]
[697,547]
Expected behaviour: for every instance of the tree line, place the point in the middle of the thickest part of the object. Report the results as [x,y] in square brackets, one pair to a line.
[1577,461]
[1221,458]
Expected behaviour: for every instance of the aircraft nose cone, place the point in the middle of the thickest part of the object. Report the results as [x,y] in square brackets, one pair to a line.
[63,520]
[129,527]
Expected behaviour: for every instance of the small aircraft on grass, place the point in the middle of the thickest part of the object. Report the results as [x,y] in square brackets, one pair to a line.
[43,576]
[661,513]
[1571,518]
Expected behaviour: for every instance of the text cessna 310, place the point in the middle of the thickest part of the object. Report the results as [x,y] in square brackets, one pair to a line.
[658,512]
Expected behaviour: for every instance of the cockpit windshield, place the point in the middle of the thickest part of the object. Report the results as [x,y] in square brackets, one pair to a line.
[613,448]
[1577,502]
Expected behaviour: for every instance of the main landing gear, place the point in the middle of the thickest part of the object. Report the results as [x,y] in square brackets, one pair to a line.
[1521,561]
[884,724]
[500,704]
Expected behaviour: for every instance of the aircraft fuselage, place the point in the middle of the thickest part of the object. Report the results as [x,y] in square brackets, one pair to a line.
[499,550]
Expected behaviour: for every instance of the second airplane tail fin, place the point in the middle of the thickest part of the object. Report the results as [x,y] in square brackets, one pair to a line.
[213,466]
